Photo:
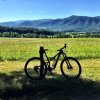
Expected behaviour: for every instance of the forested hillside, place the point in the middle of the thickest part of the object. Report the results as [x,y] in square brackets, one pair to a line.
[69,24]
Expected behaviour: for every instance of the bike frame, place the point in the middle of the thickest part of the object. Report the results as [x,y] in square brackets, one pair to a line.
[53,58]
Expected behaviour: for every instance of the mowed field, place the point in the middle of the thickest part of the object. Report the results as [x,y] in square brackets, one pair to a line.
[14,52]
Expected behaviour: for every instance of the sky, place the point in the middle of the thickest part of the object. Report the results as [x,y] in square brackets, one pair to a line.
[13,10]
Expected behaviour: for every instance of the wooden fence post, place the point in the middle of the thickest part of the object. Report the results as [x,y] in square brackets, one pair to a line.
[41,51]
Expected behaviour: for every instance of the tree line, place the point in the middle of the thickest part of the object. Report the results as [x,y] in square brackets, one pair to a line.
[21,32]
[14,32]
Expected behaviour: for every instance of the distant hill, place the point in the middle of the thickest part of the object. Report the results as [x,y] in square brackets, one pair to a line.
[72,23]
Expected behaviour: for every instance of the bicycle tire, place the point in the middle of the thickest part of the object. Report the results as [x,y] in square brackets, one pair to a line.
[29,72]
[73,62]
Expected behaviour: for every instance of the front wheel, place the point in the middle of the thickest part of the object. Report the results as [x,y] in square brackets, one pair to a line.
[70,68]
[33,70]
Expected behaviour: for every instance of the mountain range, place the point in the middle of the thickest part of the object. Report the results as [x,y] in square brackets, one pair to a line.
[70,24]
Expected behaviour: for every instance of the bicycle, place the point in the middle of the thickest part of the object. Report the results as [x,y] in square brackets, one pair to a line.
[37,67]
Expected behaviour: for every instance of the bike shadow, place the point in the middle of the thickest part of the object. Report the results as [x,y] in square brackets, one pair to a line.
[17,86]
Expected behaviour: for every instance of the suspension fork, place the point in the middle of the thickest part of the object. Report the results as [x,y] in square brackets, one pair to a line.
[67,61]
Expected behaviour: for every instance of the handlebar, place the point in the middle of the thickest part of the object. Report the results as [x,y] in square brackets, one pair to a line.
[42,48]
[62,47]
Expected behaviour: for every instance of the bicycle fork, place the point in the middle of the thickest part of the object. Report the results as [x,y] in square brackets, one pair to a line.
[69,65]
[67,62]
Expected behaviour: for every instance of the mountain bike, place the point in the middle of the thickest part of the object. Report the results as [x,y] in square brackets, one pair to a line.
[37,67]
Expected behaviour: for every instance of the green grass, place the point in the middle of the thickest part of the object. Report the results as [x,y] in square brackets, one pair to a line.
[22,49]
[15,85]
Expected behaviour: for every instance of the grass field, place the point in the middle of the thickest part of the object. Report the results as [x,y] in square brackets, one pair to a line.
[15,85]
[22,49]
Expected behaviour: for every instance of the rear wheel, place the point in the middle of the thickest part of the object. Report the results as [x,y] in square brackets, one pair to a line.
[33,70]
[70,68]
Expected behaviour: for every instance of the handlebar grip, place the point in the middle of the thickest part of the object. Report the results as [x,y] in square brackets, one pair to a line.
[65,45]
